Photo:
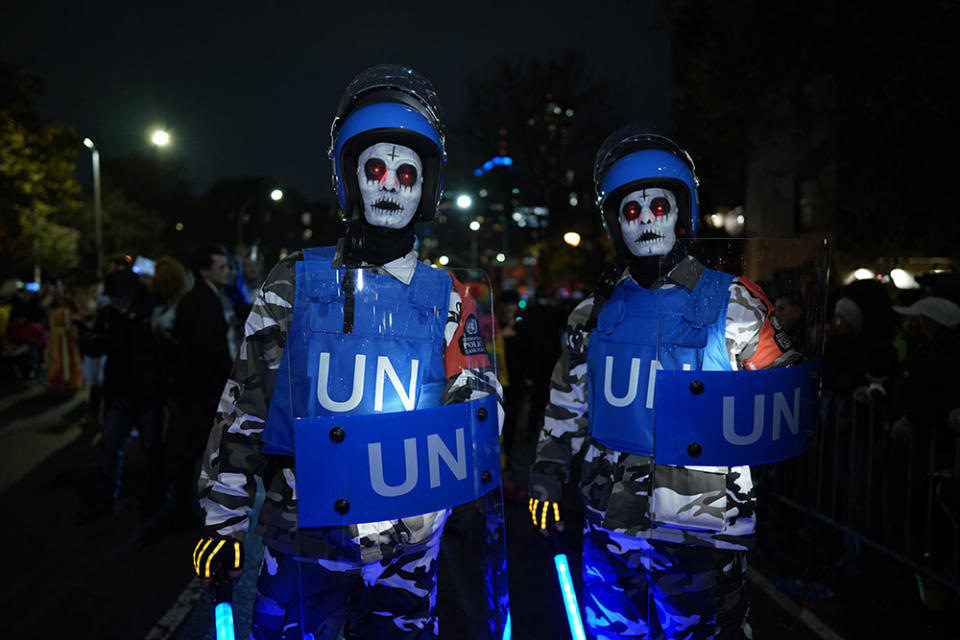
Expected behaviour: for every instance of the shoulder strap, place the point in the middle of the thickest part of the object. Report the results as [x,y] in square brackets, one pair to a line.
[431,287]
[708,298]
[604,289]
[319,254]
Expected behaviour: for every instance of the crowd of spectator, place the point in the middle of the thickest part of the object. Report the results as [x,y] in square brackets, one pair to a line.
[151,344]
[886,460]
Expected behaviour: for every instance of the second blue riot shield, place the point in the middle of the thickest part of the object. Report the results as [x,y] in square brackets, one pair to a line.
[394,418]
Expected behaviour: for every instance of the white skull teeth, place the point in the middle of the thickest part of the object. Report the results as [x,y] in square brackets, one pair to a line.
[649,236]
[387,204]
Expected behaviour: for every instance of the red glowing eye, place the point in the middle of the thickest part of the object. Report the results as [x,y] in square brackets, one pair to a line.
[407,175]
[375,168]
[660,206]
[631,210]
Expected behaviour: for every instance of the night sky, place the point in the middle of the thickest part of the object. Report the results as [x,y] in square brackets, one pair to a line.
[249,89]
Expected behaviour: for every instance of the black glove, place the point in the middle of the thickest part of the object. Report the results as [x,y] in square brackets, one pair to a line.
[215,555]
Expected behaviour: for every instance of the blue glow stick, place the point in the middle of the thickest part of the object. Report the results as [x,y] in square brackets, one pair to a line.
[223,617]
[223,609]
[507,632]
[569,597]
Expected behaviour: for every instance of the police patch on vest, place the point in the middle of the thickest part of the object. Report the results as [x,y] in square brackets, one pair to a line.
[780,335]
[471,342]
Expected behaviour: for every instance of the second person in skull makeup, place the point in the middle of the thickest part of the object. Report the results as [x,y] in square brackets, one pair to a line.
[320,316]
[664,545]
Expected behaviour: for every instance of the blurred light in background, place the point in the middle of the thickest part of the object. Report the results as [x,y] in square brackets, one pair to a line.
[572,238]
[160,138]
[903,279]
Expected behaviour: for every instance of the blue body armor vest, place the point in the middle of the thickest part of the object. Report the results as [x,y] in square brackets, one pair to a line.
[359,342]
[640,331]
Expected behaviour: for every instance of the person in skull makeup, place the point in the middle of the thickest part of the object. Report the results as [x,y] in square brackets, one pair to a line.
[375,579]
[664,545]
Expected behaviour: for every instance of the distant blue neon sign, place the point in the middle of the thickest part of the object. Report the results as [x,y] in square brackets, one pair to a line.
[505,161]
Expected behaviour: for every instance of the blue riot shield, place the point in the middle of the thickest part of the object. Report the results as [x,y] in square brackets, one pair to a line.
[392,418]
[698,369]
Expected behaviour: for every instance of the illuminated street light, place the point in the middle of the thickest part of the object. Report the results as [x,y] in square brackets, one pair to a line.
[572,238]
[97,209]
[276,195]
[501,257]
[464,201]
[160,138]
[474,226]
[443,260]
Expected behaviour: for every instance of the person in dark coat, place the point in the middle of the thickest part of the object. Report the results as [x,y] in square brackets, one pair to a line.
[200,329]
[132,385]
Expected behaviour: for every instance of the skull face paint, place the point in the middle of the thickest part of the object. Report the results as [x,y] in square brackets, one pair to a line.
[390,177]
[648,219]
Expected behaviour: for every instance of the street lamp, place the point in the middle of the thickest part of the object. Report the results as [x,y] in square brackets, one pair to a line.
[276,195]
[97,212]
[160,138]
[464,201]
[572,238]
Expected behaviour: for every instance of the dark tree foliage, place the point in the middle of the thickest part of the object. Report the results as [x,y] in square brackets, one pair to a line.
[38,191]
[882,78]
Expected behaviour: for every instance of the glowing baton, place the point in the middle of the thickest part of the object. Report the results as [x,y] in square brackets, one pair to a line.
[223,609]
[567,590]
[569,597]
[507,632]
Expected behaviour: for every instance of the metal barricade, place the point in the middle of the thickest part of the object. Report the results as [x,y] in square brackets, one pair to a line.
[895,491]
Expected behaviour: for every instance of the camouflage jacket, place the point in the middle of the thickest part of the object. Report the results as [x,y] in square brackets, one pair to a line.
[233,461]
[628,493]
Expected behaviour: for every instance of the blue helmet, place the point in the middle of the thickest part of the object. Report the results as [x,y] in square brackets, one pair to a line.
[388,103]
[634,157]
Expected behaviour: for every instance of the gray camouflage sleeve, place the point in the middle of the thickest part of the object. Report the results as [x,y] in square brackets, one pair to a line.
[566,416]
[755,340]
[233,458]
[468,378]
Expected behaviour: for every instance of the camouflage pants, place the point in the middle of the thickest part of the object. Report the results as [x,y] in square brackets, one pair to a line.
[392,599]
[639,588]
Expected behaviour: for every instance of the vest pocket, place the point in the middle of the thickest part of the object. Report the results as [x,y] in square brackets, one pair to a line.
[689,498]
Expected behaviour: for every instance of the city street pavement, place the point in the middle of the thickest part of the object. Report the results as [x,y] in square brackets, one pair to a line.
[128,575]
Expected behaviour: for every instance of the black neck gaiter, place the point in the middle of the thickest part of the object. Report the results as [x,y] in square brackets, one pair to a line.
[646,270]
[381,245]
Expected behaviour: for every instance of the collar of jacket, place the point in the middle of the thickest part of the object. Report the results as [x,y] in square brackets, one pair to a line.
[402,268]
